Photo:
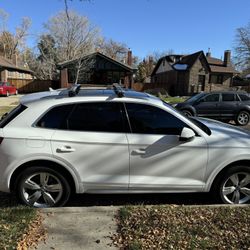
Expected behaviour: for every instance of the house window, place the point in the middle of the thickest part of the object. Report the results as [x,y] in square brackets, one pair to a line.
[217,79]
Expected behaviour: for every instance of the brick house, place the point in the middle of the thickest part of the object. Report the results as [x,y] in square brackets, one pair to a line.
[11,72]
[193,73]
[97,69]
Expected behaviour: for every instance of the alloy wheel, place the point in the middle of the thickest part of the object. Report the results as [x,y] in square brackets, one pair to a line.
[41,189]
[236,188]
[243,118]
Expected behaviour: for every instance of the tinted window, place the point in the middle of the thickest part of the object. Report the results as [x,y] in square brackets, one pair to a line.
[102,117]
[55,118]
[212,98]
[227,97]
[145,119]
[8,117]
[244,97]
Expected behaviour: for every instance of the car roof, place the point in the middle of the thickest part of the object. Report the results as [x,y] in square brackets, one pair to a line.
[226,92]
[85,92]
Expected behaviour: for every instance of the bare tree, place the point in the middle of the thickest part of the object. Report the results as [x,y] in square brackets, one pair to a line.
[67,6]
[11,44]
[242,47]
[113,49]
[74,38]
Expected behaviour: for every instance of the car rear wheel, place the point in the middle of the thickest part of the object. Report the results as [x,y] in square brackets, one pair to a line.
[42,187]
[242,118]
[7,94]
[16,93]
[187,112]
[234,186]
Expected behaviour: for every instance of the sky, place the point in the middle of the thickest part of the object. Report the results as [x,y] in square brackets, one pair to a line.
[184,26]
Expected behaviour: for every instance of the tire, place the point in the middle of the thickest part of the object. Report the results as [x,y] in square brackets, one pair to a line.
[42,187]
[234,186]
[187,112]
[242,118]
[7,94]
[16,93]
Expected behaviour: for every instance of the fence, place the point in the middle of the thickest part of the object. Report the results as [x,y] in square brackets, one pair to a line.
[34,85]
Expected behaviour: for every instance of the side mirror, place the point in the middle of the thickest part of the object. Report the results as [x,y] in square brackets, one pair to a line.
[187,134]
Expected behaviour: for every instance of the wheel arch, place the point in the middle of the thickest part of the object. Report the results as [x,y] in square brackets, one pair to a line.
[217,177]
[45,163]
[190,109]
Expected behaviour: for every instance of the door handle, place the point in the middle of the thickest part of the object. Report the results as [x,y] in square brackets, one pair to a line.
[65,149]
[139,151]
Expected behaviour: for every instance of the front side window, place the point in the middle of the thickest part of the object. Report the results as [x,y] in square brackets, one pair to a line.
[244,97]
[212,98]
[145,119]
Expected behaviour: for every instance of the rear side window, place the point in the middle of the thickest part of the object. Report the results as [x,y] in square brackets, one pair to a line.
[227,97]
[55,118]
[146,119]
[244,97]
[8,117]
[97,117]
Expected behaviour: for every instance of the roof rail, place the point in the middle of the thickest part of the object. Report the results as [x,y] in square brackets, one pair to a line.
[74,90]
[118,90]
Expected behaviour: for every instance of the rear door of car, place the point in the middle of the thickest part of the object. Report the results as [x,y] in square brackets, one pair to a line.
[208,106]
[92,140]
[229,105]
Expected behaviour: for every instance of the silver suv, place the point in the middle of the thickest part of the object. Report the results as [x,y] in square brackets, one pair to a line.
[117,141]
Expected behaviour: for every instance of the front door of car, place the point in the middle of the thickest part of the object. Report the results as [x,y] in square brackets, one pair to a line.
[92,140]
[208,106]
[159,160]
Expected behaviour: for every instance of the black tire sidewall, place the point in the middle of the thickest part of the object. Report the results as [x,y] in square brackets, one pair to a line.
[32,170]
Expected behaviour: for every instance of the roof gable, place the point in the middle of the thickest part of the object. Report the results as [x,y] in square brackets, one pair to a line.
[95,55]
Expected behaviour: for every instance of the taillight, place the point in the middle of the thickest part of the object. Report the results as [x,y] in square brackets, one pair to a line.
[1,139]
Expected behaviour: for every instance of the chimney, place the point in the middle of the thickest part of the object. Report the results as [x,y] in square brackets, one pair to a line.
[208,54]
[14,59]
[129,58]
[227,58]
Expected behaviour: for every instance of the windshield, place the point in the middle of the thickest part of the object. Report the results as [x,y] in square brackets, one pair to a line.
[195,97]
[199,124]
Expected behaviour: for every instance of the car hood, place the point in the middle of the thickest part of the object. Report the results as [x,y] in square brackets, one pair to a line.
[226,134]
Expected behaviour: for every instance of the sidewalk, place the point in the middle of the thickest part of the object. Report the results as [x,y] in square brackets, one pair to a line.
[79,228]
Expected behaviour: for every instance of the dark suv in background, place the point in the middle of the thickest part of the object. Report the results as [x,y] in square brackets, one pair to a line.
[223,106]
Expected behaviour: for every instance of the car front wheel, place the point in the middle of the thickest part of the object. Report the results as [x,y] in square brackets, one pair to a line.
[234,186]
[187,112]
[242,118]
[42,187]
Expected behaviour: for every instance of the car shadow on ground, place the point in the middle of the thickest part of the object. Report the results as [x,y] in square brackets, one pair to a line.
[88,200]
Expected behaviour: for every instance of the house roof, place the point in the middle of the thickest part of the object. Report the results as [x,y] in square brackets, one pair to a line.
[218,66]
[223,69]
[123,65]
[184,62]
[215,61]
[214,65]
[6,63]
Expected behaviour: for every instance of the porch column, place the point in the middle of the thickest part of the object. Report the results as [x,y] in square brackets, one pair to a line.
[64,78]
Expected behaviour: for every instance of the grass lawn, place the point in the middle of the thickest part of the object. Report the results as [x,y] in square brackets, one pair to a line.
[14,223]
[5,109]
[173,100]
[178,227]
